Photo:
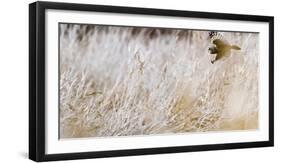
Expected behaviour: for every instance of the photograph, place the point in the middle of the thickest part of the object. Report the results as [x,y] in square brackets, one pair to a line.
[111,81]
[140,80]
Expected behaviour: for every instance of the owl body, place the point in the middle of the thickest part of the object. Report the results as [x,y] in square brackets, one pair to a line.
[221,49]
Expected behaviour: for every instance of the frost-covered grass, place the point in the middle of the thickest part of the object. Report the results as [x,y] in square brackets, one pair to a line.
[119,81]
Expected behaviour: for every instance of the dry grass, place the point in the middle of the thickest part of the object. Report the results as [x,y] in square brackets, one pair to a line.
[119,81]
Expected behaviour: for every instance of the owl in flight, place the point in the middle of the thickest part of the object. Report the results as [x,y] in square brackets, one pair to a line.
[221,49]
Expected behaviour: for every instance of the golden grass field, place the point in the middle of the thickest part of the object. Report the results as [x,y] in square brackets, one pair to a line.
[123,81]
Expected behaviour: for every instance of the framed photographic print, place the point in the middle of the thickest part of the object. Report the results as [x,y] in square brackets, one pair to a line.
[110,81]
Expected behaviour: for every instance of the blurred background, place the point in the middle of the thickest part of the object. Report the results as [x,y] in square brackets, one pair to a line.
[122,81]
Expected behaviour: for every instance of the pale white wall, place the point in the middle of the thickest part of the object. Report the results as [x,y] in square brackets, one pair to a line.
[14,79]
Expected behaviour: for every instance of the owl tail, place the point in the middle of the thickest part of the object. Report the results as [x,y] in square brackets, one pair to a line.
[235,47]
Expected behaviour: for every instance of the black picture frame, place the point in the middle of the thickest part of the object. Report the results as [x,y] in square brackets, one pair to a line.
[37,80]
